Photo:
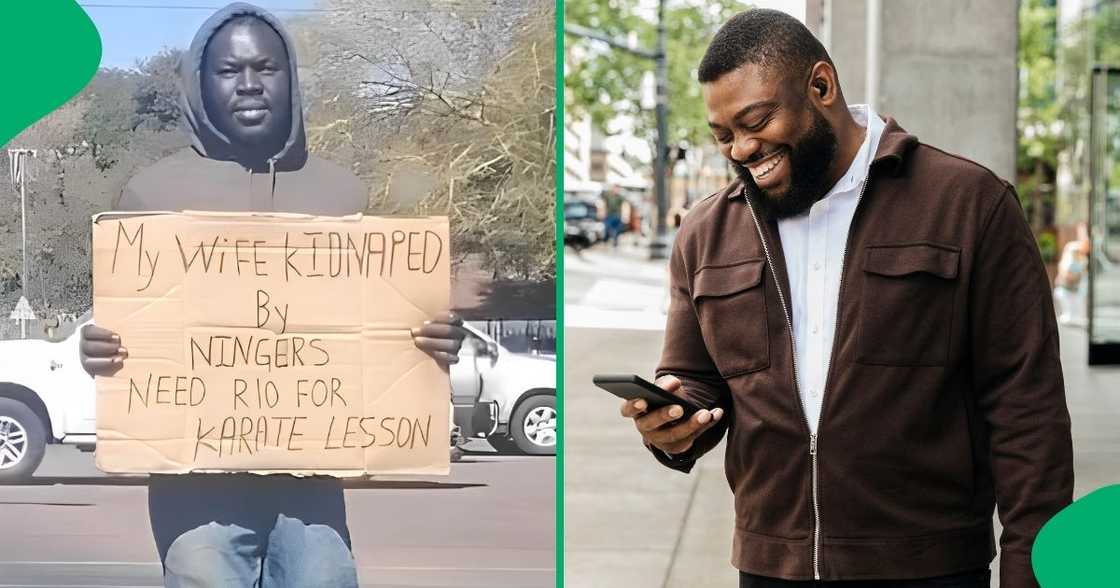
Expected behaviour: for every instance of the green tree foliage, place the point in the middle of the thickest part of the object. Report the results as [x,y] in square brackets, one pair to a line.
[448,113]
[1041,135]
[1092,39]
[110,119]
[122,121]
[497,149]
[157,91]
[123,101]
[603,82]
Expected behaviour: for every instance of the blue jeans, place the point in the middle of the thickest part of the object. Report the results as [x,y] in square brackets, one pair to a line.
[613,224]
[246,530]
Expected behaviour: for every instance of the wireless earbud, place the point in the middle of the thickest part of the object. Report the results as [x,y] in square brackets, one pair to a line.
[821,87]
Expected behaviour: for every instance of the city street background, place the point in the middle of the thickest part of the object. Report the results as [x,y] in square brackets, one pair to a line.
[491,523]
[629,521]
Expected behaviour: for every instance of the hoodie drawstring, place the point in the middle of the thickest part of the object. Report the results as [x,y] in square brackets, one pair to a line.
[272,177]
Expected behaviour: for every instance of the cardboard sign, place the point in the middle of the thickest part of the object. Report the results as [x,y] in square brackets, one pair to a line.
[271,343]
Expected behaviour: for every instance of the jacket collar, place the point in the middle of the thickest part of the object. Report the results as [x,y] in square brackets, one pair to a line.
[893,147]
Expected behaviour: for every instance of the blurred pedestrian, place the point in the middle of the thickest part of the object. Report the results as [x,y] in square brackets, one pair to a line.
[612,206]
[1070,282]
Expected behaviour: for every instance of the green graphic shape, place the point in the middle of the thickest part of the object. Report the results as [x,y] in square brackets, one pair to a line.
[1077,548]
[49,50]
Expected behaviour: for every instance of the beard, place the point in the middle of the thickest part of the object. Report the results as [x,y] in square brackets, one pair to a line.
[809,161]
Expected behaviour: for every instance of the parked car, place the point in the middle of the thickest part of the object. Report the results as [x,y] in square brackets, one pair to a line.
[582,227]
[45,397]
[507,398]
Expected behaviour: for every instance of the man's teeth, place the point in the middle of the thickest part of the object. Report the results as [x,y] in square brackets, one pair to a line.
[770,167]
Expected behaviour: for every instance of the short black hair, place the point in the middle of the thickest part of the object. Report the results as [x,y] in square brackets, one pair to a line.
[769,38]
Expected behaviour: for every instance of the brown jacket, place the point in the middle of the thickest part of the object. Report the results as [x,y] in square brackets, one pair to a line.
[944,394]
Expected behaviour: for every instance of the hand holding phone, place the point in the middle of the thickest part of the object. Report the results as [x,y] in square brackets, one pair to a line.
[631,387]
[663,426]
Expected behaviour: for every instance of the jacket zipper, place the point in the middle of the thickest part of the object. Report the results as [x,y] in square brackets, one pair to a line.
[828,366]
[797,389]
[816,502]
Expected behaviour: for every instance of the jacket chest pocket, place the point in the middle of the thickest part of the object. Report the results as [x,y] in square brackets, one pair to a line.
[730,304]
[908,303]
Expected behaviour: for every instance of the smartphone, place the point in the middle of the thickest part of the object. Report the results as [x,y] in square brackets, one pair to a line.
[630,387]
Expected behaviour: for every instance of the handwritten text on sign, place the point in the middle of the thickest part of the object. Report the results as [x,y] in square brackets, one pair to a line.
[271,343]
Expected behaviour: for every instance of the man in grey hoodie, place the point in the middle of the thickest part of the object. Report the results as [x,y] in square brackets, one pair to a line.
[241,100]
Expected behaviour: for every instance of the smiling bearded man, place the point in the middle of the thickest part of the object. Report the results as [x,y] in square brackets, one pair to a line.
[810,159]
[868,320]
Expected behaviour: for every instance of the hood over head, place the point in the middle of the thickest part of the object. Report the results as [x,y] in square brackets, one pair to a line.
[206,139]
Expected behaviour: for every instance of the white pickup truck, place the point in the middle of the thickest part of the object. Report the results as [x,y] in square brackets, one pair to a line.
[507,398]
[46,397]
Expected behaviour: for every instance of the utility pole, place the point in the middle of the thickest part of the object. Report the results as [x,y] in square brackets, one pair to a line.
[18,166]
[659,245]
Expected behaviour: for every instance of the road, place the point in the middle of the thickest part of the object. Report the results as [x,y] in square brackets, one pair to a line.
[490,523]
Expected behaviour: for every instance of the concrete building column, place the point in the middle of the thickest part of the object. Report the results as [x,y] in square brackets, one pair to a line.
[946,70]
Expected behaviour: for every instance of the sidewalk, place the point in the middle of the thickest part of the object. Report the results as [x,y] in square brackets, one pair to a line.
[628,520]
[631,522]
[607,287]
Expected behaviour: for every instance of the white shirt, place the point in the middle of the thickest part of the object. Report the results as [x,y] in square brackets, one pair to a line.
[813,244]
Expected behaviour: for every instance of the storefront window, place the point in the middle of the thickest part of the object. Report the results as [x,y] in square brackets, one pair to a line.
[1088,75]
[1104,216]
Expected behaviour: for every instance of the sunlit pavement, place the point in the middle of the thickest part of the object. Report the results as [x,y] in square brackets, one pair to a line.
[490,523]
[631,522]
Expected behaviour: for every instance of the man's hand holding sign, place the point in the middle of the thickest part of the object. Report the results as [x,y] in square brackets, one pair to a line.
[103,354]
[271,343]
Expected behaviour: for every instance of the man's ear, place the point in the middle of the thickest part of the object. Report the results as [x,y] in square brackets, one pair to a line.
[824,89]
